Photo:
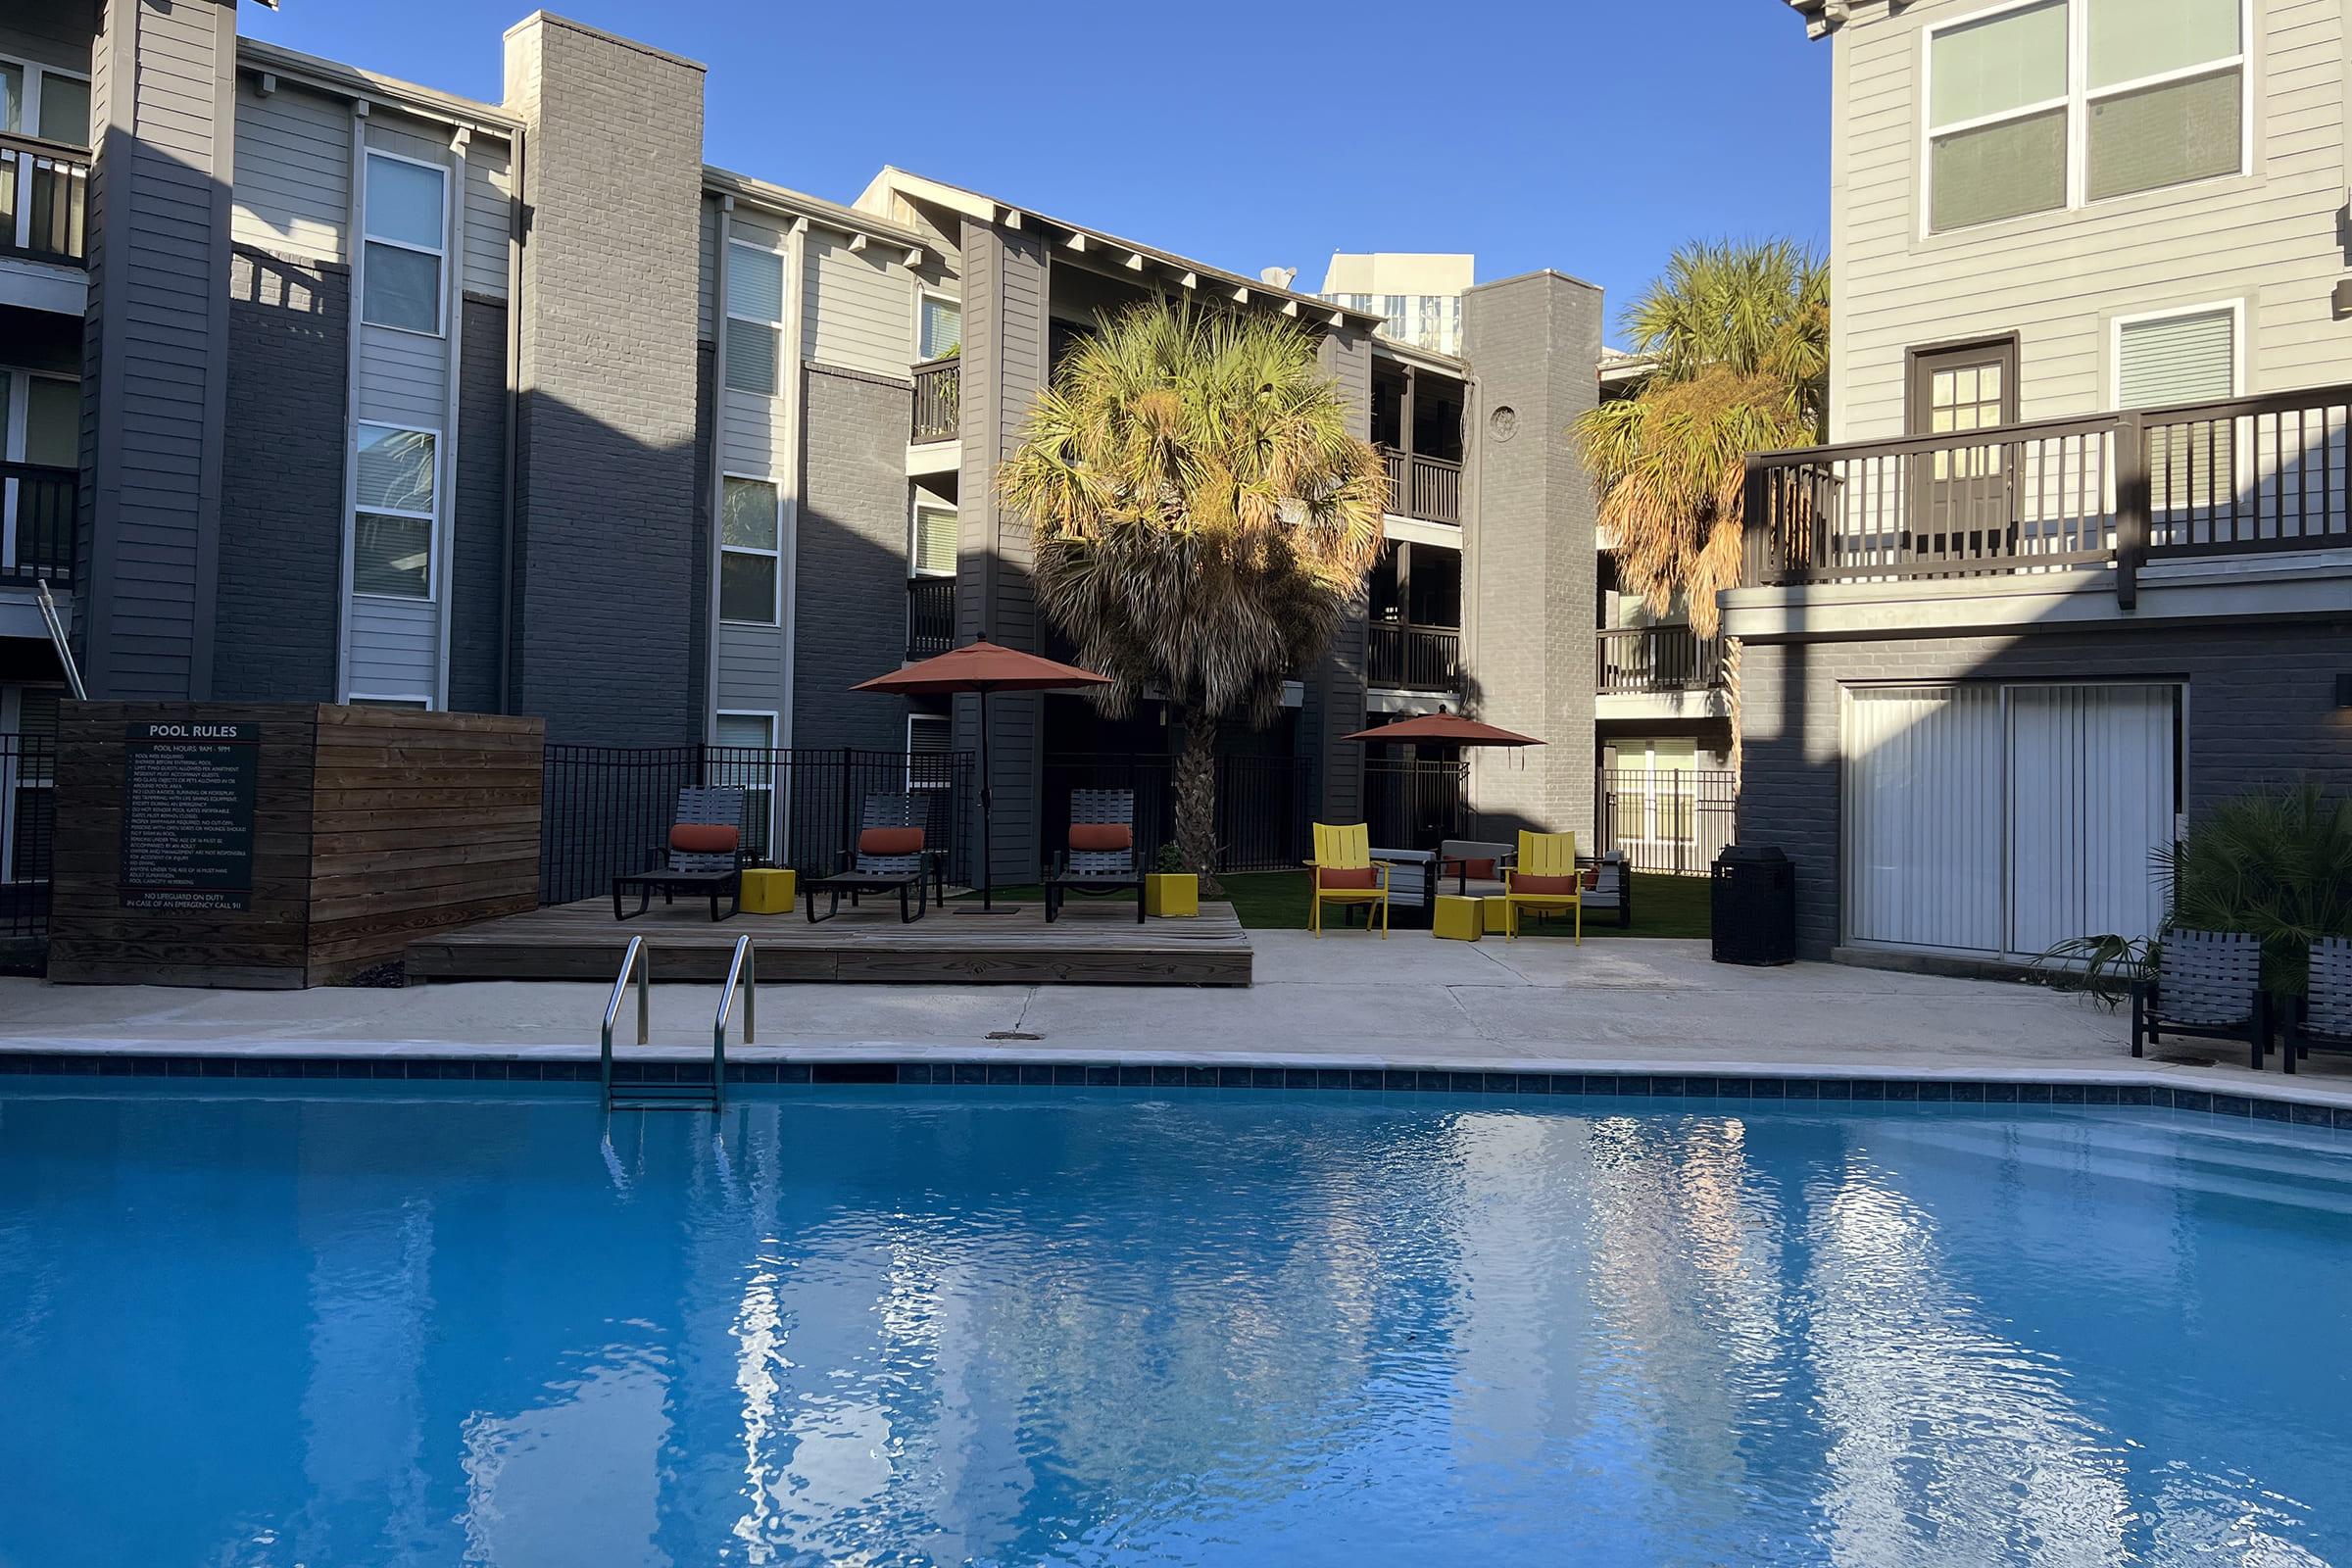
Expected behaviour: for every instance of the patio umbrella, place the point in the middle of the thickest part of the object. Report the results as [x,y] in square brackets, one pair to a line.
[982,666]
[1444,729]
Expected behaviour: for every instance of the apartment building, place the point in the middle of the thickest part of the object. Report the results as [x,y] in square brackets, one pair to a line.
[323,386]
[1417,295]
[2077,563]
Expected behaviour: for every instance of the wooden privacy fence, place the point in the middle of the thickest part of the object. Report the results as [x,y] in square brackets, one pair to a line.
[281,844]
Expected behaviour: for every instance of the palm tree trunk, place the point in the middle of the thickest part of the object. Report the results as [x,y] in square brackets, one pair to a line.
[1197,799]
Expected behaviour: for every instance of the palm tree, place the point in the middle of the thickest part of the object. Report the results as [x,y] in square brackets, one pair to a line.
[1738,332]
[1203,519]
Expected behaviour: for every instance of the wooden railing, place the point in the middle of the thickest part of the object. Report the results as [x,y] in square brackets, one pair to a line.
[1424,488]
[44,200]
[938,385]
[930,615]
[1657,659]
[2244,475]
[37,523]
[1423,658]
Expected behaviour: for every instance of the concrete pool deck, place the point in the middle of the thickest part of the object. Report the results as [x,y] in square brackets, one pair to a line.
[1346,1000]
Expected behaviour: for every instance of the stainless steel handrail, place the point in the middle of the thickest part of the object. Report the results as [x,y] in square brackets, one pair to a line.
[635,963]
[744,969]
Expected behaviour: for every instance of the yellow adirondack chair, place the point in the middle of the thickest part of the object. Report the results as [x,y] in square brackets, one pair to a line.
[1344,873]
[1546,878]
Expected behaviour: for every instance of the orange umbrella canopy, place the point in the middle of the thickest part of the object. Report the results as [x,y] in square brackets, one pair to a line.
[981,665]
[1444,729]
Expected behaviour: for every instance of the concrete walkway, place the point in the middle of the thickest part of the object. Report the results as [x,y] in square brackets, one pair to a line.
[1347,1000]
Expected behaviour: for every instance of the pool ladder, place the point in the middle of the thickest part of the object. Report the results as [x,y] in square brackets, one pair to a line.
[629,1090]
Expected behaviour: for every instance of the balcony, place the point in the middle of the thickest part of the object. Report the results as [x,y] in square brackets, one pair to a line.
[1637,661]
[45,190]
[2108,493]
[1424,488]
[930,615]
[1413,658]
[936,384]
[36,524]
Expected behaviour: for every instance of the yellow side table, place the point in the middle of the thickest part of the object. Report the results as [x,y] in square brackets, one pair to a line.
[1457,919]
[767,891]
[1497,914]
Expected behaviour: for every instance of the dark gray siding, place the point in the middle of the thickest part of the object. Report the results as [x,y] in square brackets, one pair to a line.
[281,511]
[1335,706]
[849,620]
[602,637]
[2261,711]
[163,81]
[478,544]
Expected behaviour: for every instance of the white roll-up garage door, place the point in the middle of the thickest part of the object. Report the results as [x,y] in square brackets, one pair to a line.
[2090,799]
[1923,802]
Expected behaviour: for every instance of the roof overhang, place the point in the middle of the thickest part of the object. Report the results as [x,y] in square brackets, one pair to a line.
[1126,255]
[859,226]
[331,77]
[1822,17]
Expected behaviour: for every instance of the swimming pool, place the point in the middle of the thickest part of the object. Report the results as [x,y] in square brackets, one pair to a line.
[1098,1326]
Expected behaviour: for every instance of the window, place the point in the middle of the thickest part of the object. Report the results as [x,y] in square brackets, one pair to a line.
[28,777]
[406,225]
[934,546]
[751,556]
[2136,94]
[2183,357]
[44,102]
[754,329]
[930,742]
[940,332]
[746,761]
[394,482]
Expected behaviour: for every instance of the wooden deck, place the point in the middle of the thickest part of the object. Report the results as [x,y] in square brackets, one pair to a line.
[1091,943]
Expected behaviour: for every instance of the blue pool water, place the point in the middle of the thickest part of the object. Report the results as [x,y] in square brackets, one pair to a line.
[1206,1328]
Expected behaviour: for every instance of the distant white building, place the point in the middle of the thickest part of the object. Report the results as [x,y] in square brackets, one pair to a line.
[1420,295]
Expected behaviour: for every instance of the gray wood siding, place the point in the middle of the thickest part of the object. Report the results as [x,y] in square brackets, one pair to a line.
[394,647]
[859,306]
[750,433]
[293,192]
[403,378]
[706,269]
[489,209]
[751,669]
[2268,238]
[60,39]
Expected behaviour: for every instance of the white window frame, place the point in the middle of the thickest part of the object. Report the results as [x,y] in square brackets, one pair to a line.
[368,237]
[31,73]
[733,315]
[18,401]
[13,778]
[923,499]
[403,699]
[779,779]
[2237,342]
[2080,96]
[718,588]
[922,292]
[912,720]
[431,518]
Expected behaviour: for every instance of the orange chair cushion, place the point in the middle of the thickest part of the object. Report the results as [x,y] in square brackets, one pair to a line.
[1348,877]
[1481,869]
[1593,879]
[1523,883]
[1101,836]
[887,841]
[704,838]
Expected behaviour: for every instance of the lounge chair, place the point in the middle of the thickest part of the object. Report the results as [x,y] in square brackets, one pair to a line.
[892,855]
[1346,874]
[2323,1015]
[1544,877]
[1100,858]
[2207,983]
[704,855]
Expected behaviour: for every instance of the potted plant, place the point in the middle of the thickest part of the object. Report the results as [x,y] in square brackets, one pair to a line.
[1169,890]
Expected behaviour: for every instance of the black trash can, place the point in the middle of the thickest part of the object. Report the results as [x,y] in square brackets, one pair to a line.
[1753,903]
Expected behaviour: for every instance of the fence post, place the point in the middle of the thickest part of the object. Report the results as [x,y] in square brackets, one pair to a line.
[2131,505]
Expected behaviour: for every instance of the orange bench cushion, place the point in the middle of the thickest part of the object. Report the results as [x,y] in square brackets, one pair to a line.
[1523,883]
[704,838]
[888,841]
[1347,877]
[1096,837]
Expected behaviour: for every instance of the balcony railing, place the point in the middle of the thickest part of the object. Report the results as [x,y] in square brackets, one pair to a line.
[1659,658]
[2240,476]
[936,385]
[1426,488]
[930,615]
[44,200]
[37,523]
[1419,659]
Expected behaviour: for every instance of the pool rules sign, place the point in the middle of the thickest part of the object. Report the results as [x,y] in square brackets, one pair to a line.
[188,801]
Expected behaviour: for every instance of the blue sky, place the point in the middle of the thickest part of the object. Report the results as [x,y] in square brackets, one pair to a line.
[1587,135]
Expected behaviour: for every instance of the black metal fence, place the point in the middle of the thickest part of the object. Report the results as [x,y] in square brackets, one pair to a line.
[27,823]
[1417,805]
[1675,821]
[1261,813]
[608,810]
